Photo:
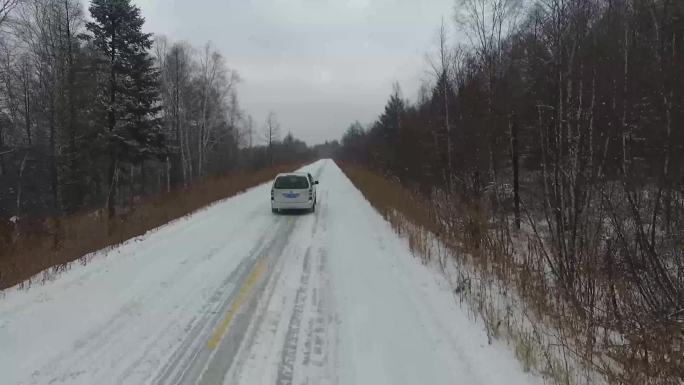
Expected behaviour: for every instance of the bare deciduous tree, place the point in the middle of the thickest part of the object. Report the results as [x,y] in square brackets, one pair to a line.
[6,6]
[441,68]
[219,107]
[271,133]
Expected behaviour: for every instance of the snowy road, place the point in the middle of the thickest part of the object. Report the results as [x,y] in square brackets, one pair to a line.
[236,295]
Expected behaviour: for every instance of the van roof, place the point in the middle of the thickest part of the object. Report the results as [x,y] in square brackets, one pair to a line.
[305,174]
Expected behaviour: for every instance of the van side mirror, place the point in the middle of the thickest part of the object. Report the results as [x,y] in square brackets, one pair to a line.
[316,182]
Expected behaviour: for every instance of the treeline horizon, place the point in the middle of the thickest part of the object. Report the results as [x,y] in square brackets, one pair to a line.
[552,145]
[95,113]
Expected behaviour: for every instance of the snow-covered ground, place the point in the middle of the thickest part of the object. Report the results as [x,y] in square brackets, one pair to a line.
[236,295]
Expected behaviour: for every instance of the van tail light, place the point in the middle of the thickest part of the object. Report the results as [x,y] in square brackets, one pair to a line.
[272,195]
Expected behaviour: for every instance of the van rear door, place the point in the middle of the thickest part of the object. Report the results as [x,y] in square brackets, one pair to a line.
[291,189]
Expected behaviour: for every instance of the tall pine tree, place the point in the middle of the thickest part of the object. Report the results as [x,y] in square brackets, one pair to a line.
[128,95]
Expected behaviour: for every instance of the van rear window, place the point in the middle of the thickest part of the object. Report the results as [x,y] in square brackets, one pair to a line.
[291,182]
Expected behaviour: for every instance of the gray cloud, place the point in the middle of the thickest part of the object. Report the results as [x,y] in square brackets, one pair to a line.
[319,64]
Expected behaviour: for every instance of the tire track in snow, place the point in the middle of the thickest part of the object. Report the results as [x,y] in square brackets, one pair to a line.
[200,327]
[319,344]
[290,339]
[289,354]
[192,358]
[97,342]
[210,366]
[309,348]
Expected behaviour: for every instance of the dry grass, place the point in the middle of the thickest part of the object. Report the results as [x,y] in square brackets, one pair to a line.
[505,282]
[389,200]
[49,245]
[468,239]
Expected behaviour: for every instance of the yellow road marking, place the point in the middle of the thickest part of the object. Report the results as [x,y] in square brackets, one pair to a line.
[241,298]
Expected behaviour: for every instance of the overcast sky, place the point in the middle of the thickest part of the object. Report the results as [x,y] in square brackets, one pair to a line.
[318,64]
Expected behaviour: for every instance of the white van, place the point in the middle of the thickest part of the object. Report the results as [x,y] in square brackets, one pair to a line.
[296,191]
